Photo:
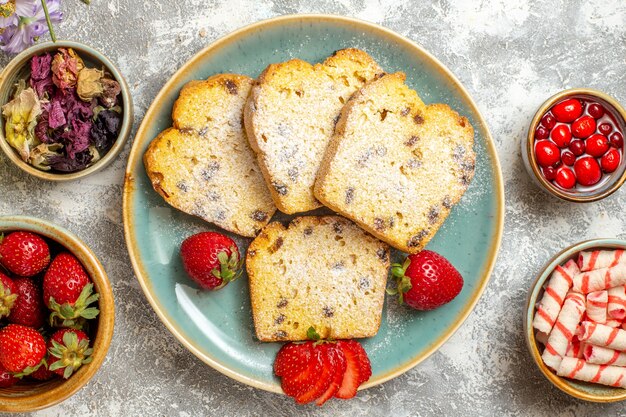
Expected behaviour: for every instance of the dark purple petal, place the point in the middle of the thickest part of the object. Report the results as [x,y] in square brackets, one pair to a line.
[76,139]
[106,130]
[66,164]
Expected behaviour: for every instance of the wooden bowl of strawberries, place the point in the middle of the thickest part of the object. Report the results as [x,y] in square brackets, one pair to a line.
[56,314]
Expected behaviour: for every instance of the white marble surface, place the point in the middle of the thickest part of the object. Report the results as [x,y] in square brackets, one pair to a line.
[510,55]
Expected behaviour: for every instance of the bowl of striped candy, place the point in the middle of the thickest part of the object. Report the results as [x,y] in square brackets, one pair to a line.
[575,323]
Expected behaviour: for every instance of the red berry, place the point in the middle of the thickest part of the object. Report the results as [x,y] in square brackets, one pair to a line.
[548,121]
[68,291]
[8,295]
[587,171]
[341,369]
[211,259]
[547,153]
[596,110]
[43,373]
[351,378]
[577,147]
[549,173]
[583,126]
[617,140]
[596,145]
[561,135]
[292,359]
[565,178]
[29,309]
[332,360]
[69,350]
[296,385]
[6,378]
[610,160]
[568,158]
[605,128]
[24,253]
[21,348]
[427,280]
[541,133]
[567,110]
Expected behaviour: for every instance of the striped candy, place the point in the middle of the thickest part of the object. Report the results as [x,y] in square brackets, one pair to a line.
[600,259]
[600,279]
[602,374]
[617,303]
[604,356]
[564,329]
[553,296]
[597,303]
[601,335]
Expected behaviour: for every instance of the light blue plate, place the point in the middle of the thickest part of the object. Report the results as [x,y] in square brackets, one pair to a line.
[217,326]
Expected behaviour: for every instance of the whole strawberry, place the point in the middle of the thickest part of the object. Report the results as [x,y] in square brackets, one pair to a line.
[69,350]
[6,378]
[8,295]
[211,259]
[68,292]
[426,280]
[22,349]
[24,253]
[29,309]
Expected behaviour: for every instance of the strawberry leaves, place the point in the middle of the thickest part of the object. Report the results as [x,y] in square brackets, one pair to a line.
[72,315]
[230,267]
[403,283]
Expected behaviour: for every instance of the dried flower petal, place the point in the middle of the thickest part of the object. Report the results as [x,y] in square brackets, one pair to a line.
[111,90]
[89,84]
[20,121]
[76,138]
[66,164]
[41,75]
[65,68]
[56,117]
[106,129]
[40,156]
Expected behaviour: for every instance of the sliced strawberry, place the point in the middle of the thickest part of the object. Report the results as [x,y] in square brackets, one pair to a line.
[339,360]
[365,368]
[325,378]
[292,359]
[303,382]
[351,377]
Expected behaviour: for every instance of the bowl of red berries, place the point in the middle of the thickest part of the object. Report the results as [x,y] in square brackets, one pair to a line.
[575,145]
[56,314]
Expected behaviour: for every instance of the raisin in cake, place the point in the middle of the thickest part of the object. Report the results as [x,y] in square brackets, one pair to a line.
[204,165]
[291,115]
[323,272]
[396,166]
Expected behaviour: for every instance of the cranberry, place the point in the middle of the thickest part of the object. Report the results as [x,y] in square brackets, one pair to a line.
[583,126]
[565,178]
[596,110]
[605,128]
[596,145]
[561,135]
[541,133]
[610,160]
[549,173]
[568,158]
[548,121]
[567,110]
[587,170]
[547,153]
[577,147]
[617,140]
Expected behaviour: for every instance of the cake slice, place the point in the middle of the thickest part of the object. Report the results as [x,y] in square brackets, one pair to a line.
[204,165]
[323,272]
[291,115]
[396,166]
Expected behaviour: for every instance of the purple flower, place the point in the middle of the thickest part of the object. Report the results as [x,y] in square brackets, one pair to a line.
[7,14]
[30,24]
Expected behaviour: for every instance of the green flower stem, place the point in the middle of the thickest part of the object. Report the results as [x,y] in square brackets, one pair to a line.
[50,28]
